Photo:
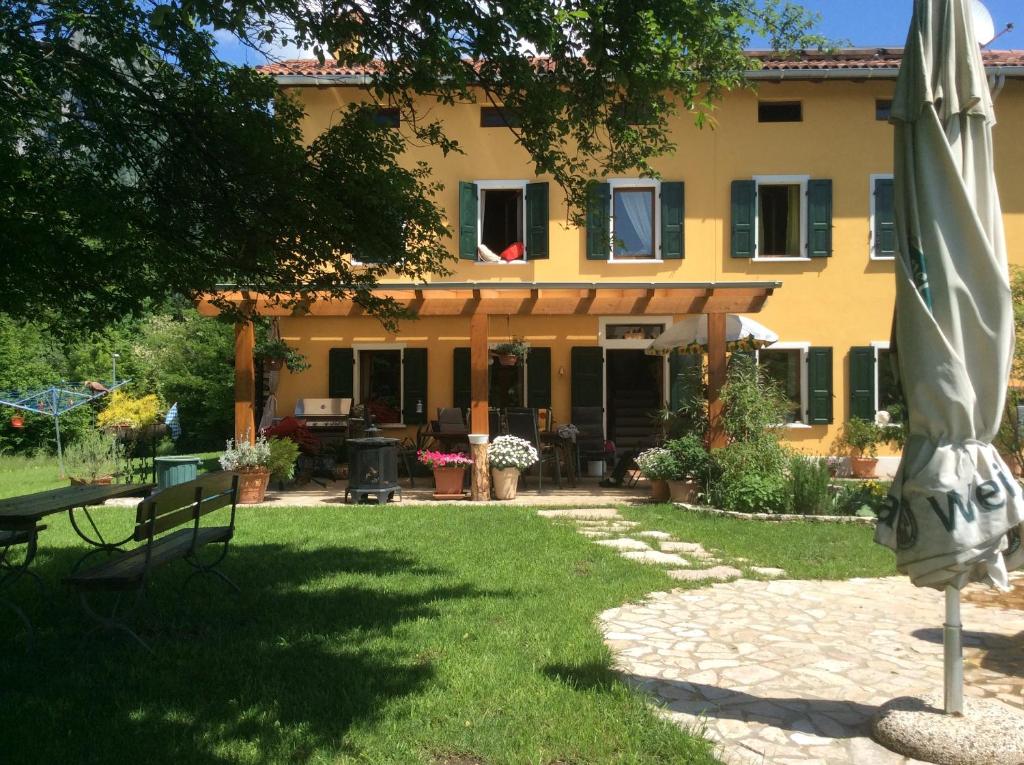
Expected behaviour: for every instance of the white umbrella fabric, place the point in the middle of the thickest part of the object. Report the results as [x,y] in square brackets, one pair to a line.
[691,335]
[954,512]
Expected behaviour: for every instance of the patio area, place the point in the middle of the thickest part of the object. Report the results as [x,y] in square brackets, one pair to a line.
[587,492]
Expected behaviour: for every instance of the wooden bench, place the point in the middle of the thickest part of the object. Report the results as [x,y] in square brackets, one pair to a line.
[167,526]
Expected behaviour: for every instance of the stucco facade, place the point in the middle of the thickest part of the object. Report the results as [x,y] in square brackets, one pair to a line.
[843,301]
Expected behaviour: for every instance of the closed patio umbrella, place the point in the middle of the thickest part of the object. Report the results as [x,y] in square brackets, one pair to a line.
[954,512]
[691,335]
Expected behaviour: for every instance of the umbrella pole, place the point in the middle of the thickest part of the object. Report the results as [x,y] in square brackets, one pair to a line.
[953,667]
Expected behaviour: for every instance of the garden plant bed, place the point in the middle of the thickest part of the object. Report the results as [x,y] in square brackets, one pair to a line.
[779,517]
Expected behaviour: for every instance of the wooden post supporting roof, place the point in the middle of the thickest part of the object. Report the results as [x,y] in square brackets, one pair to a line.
[716,379]
[245,382]
[479,394]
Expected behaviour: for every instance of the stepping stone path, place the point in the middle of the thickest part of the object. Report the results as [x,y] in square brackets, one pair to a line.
[717,574]
[625,544]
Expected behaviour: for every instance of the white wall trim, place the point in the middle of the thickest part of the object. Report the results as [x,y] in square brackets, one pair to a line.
[871,217]
[778,180]
[878,345]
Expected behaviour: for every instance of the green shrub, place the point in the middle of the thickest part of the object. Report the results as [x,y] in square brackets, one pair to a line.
[93,455]
[657,464]
[809,482]
[750,476]
[283,454]
[692,458]
[753,406]
[862,498]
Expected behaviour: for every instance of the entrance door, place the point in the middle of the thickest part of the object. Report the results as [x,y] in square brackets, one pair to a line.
[634,384]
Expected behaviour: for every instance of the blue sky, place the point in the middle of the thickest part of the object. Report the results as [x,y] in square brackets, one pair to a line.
[862,23]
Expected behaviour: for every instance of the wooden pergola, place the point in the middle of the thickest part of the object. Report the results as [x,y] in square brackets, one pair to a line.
[476,301]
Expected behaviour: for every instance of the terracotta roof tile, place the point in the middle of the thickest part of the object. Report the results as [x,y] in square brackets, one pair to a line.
[850,59]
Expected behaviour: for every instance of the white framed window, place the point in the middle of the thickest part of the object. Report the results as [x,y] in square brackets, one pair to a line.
[501,220]
[780,224]
[380,380]
[786,364]
[887,391]
[877,198]
[635,220]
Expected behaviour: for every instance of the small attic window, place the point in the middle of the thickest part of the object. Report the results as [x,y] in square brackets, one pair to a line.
[496,116]
[779,111]
[883,110]
[387,117]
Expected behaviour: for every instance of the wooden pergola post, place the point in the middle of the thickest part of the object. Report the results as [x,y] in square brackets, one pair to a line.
[716,379]
[479,393]
[245,382]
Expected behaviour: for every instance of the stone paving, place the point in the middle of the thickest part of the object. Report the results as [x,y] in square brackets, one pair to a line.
[791,672]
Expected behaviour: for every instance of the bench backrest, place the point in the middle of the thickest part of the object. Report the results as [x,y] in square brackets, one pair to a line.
[185,503]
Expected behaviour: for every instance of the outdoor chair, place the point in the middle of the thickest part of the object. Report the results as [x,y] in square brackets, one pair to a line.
[449,420]
[523,423]
[495,424]
[408,451]
[589,421]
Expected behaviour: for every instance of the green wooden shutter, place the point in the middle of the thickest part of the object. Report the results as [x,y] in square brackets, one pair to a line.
[819,386]
[673,216]
[683,370]
[537,221]
[341,363]
[538,378]
[587,364]
[884,244]
[468,214]
[414,386]
[462,382]
[862,382]
[598,221]
[819,219]
[744,213]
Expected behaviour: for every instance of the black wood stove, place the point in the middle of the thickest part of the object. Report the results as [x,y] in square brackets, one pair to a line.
[373,469]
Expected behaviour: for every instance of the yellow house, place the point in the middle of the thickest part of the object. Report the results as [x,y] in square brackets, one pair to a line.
[783,208]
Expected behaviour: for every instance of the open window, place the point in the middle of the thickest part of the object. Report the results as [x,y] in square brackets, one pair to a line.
[503,221]
[781,217]
[786,367]
[379,375]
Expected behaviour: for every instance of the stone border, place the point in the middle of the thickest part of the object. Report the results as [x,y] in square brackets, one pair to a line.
[780,518]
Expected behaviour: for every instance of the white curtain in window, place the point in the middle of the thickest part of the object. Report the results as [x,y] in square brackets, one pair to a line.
[638,236]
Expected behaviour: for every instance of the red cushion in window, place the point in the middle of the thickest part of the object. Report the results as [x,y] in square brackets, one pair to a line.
[513,252]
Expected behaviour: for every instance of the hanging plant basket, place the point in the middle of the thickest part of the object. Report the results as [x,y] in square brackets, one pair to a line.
[17,421]
[508,359]
[273,364]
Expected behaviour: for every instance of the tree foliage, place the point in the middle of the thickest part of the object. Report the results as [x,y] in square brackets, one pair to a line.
[135,164]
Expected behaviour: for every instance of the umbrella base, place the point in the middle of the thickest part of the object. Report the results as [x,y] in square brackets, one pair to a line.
[988,732]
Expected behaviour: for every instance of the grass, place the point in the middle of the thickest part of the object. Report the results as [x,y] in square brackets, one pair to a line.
[26,474]
[362,635]
[806,550]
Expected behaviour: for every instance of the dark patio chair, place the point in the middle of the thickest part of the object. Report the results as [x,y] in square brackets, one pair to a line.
[495,424]
[449,420]
[589,421]
[524,425]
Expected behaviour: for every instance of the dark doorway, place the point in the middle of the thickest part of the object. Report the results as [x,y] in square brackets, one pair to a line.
[634,386]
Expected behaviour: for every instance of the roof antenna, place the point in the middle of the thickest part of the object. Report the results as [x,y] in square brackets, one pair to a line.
[1007,28]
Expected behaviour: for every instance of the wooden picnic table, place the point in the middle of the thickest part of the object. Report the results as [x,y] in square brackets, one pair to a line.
[19,524]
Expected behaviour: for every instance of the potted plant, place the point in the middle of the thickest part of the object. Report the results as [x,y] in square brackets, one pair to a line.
[692,461]
[658,465]
[510,353]
[276,353]
[449,472]
[17,421]
[861,438]
[508,457]
[94,458]
[251,462]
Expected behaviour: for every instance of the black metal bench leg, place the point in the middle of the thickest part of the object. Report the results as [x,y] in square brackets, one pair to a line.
[210,568]
[112,622]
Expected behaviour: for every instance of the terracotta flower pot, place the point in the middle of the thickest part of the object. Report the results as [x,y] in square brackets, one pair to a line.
[273,365]
[252,485]
[863,467]
[659,490]
[448,482]
[505,482]
[684,491]
[508,359]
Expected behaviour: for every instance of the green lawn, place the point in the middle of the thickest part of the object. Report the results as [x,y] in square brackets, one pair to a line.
[395,635]
[805,550]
